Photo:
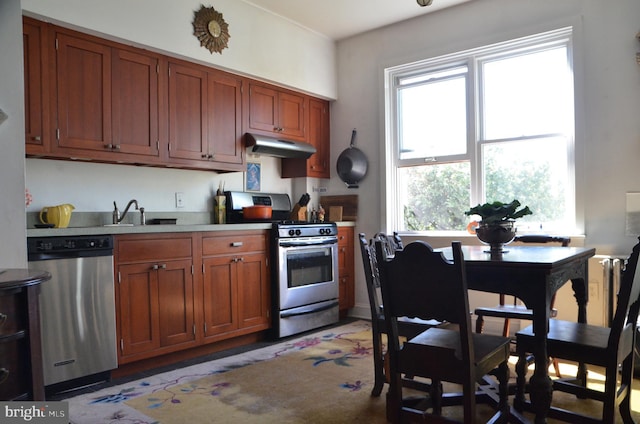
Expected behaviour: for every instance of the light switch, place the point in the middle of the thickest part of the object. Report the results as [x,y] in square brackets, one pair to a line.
[179,199]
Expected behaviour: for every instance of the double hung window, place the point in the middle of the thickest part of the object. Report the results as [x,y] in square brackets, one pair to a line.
[494,123]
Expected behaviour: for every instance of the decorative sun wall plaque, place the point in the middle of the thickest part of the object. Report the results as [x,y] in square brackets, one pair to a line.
[210,28]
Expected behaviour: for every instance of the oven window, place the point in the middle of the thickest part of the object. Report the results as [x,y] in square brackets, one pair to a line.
[309,266]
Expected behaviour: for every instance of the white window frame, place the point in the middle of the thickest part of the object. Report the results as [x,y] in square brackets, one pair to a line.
[392,213]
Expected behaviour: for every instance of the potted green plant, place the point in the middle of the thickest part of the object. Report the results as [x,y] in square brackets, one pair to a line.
[496,227]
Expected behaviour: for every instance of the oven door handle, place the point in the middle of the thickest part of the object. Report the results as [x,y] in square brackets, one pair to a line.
[308,310]
[306,243]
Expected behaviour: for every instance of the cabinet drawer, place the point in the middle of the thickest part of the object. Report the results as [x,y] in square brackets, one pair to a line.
[14,371]
[221,245]
[11,318]
[154,248]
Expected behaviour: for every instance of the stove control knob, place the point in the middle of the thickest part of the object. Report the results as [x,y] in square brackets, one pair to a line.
[292,232]
[298,232]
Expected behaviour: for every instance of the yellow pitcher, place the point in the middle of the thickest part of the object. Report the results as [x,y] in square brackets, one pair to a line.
[59,215]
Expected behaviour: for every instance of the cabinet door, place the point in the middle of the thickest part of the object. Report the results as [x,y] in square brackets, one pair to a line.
[291,115]
[253,291]
[220,295]
[263,109]
[225,119]
[83,93]
[135,104]
[187,112]
[345,268]
[276,113]
[35,85]
[176,301]
[317,165]
[318,136]
[139,309]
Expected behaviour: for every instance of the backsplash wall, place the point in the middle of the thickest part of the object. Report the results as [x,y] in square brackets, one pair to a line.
[93,187]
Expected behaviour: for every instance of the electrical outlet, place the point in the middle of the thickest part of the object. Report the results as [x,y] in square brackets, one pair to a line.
[179,199]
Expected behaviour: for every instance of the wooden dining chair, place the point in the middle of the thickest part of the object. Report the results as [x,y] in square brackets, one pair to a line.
[418,282]
[407,327]
[512,310]
[611,348]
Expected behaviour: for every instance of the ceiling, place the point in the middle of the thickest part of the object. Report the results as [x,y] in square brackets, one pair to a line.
[338,19]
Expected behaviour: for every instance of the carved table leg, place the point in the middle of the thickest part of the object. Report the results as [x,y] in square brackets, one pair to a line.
[540,391]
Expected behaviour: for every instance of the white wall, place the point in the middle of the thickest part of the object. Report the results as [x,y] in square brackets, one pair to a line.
[607,98]
[12,231]
[261,45]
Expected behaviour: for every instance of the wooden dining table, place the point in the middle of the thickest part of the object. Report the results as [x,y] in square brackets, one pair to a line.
[532,274]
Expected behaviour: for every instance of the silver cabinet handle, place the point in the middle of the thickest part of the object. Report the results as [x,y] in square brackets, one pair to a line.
[237,244]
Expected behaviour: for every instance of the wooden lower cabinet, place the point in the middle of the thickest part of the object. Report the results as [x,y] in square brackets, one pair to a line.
[235,276]
[177,291]
[346,268]
[155,295]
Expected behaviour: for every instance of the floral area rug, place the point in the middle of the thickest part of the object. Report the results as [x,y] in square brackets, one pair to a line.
[325,377]
[302,380]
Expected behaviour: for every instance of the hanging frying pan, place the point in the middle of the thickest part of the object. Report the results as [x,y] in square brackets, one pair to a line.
[352,164]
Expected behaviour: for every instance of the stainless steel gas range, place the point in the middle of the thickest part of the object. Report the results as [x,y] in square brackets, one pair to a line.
[305,276]
[304,264]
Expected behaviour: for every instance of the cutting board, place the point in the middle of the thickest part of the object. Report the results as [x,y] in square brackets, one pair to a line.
[349,203]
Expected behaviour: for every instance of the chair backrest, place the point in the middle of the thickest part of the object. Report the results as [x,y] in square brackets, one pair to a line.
[370,276]
[420,283]
[391,243]
[542,238]
[626,315]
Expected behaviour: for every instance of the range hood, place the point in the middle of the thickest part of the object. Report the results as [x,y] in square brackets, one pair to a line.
[278,147]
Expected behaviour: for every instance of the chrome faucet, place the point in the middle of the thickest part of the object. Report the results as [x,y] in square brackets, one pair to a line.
[117,218]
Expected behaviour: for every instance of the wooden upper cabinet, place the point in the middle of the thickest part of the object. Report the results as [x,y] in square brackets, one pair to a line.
[108,100]
[276,113]
[35,86]
[136,105]
[187,112]
[225,119]
[205,118]
[317,165]
[95,99]
[83,83]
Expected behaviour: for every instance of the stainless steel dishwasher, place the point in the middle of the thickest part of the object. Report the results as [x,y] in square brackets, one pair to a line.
[77,309]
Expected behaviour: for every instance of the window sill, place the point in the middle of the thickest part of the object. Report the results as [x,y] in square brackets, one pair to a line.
[438,239]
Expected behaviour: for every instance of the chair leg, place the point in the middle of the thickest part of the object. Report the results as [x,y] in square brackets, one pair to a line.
[378,366]
[394,400]
[609,402]
[479,324]
[503,387]
[506,327]
[556,367]
[626,381]
[436,396]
